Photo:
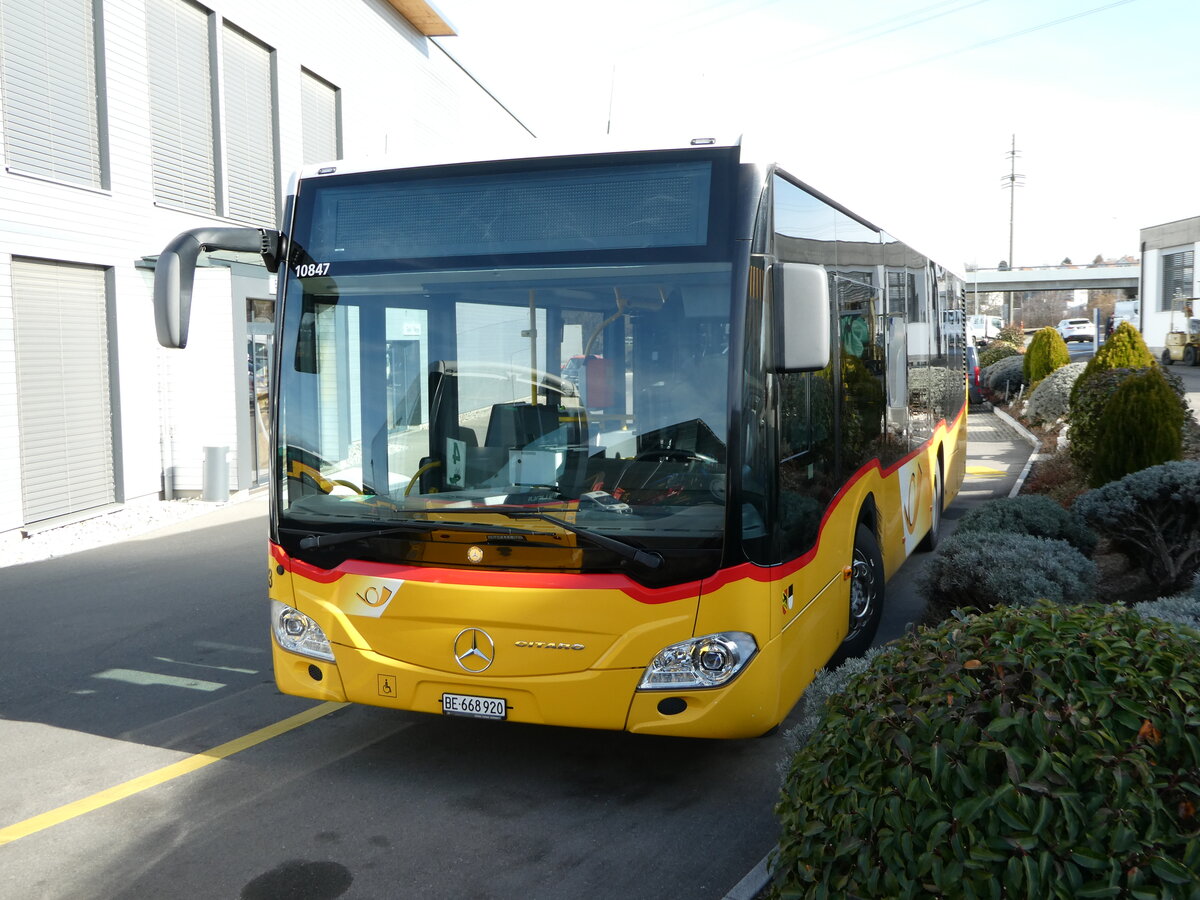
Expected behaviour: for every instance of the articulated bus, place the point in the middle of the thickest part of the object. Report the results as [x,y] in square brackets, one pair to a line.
[618,440]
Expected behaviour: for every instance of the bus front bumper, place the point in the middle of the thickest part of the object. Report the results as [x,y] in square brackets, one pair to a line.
[602,699]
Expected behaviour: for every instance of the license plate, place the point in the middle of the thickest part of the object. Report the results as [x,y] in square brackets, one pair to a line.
[476,707]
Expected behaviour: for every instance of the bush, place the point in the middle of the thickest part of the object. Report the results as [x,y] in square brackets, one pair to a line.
[1124,349]
[1046,752]
[1006,375]
[1153,517]
[1011,334]
[1029,514]
[1141,425]
[1050,400]
[996,351]
[1046,352]
[1088,399]
[811,709]
[973,570]
[1182,609]
[1055,476]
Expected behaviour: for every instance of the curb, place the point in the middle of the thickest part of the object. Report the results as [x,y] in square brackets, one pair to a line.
[1034,443]
[753,882]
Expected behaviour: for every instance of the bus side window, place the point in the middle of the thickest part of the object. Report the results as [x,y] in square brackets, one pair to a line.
[805,458]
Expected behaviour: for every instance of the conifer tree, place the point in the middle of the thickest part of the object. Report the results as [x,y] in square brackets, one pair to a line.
[1124,349]
[1045,353]
[1141,425]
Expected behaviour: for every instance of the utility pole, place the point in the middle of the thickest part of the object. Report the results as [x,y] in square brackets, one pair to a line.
[1011,182]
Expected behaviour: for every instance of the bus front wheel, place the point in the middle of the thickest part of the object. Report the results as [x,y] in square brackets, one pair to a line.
[866,596]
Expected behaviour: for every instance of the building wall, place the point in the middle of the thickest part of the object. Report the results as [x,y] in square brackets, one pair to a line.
[399,92]
[1157,242]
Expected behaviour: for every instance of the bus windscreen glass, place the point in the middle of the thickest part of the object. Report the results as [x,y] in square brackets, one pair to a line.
[420,383]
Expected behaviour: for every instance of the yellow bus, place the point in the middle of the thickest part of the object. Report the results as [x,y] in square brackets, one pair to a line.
[620,440]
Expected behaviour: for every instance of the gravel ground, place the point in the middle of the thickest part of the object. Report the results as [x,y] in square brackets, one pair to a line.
[107,528]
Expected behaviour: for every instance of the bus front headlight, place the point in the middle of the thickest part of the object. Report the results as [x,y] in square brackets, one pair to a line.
[703,662]
[298,633]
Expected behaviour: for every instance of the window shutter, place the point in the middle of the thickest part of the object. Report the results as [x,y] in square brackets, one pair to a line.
[1178,275]
[181,107]
[48,72]
[249,130]
[319,119]
[63,406]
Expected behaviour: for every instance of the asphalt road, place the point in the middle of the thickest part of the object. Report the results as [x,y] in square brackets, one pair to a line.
[129,669]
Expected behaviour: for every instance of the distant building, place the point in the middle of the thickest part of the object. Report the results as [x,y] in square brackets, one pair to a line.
[128,121]
[1168,272]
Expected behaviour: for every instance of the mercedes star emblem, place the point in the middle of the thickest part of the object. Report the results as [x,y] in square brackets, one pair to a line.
[474,650]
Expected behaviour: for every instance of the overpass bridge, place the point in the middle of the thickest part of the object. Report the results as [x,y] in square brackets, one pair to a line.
[1052,278]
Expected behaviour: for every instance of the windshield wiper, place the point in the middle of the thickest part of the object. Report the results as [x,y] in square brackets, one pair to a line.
[647,558]
[312,541]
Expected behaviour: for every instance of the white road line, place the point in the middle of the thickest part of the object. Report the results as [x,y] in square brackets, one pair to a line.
[133,676]
[180,662]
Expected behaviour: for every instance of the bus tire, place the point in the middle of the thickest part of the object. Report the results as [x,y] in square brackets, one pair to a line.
[930,541]
[866,596]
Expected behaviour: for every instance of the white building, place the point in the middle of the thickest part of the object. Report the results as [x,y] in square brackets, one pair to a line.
[1168,272]
[127,121]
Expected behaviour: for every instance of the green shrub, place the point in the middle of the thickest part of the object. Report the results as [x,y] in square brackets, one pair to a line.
[1181,609]
[1005,375]
[1088,399]
[1055,476]
[1046,352]
[1047,752]
[1141,425]
[971,569]
[1050,400]
[811,709]
[996,351]
[1031,514]
[1011,334]
[1124,349]
[1153,517]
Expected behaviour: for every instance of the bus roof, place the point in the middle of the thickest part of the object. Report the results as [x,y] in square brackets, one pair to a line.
[493,151]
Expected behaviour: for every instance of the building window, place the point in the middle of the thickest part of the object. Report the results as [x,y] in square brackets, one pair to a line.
[250,129]
[60,318]
[320,119]
[179,50]
[1178,277]
[53,108]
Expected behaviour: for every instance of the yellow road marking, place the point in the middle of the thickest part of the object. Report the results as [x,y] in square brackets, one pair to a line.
[161,776]
[984,470]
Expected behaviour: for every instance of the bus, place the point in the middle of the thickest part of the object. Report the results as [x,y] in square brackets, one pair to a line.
[765,416]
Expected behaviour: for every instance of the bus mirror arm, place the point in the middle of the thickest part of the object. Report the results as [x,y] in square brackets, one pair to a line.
[800,297]
[175,272]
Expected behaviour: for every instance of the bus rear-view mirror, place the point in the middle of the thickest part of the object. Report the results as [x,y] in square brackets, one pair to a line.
[800,296]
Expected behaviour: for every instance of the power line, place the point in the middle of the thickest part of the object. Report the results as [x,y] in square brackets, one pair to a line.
[1003,37]
[898,23]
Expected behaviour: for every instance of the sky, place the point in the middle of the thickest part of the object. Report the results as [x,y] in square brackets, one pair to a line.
[904,111]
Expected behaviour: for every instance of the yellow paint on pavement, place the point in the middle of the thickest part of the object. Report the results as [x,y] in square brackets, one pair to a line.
[152,779]
[985,471]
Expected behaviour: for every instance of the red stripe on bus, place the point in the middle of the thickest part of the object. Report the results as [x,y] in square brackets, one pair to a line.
[489,578]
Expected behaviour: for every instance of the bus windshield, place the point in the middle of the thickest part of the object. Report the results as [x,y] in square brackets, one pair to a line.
[584,377]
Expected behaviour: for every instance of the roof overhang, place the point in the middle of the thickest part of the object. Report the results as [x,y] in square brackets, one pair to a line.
[424,17]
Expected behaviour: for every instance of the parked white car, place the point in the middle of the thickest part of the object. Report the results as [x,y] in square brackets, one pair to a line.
[1077,330]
